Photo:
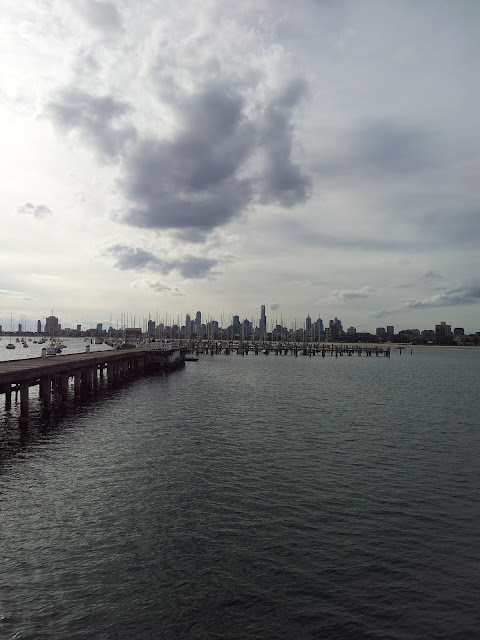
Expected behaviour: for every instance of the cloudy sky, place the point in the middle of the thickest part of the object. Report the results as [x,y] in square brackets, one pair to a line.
[317,157]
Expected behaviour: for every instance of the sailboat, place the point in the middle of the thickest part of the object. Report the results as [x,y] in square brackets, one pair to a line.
[10,345]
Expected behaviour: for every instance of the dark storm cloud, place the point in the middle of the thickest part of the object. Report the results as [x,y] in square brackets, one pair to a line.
[95,119]
[193,180]
[283,181]
[137,259]
[101,15]
[464,295]
[228,152]
[37,211]
[199,180]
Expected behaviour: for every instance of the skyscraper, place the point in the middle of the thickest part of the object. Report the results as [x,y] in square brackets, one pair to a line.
[308,326]
[263,322]
[198,324]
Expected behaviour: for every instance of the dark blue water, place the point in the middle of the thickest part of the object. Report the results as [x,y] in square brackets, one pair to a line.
[251,497]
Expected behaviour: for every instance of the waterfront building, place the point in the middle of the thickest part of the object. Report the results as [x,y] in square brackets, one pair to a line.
[380,332]
[151,328]
[459,331]
[52,327]
[331,332]
[132,334]
[39,327]
[443,333]
[390,330]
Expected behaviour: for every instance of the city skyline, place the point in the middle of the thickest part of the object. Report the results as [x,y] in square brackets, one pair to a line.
[223,156]
[262,324]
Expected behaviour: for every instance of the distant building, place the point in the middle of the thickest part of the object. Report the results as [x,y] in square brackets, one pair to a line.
[380,332]
[443,333]
[39,327]
[331,332]
[51,326]
[351,331]
[263,322]
[319,330]
[337,323]
[459,331]
[132,334]
[198,324]
[390,330]
[20,327]
[151,328]
[308,326]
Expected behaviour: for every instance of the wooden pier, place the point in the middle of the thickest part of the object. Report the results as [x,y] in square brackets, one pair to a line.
[290,349]
[52,375]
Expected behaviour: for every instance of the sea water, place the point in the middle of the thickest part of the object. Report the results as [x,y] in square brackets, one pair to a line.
[252,497]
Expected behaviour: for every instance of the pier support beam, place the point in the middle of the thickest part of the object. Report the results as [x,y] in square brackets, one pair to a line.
[7,390]
[87,380]
[24,403]
[77,383]
[46,393]
[63,381]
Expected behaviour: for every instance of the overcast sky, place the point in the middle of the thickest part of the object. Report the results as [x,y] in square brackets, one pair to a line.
[320,157]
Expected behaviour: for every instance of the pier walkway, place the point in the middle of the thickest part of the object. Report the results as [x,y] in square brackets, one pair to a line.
[52,374]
